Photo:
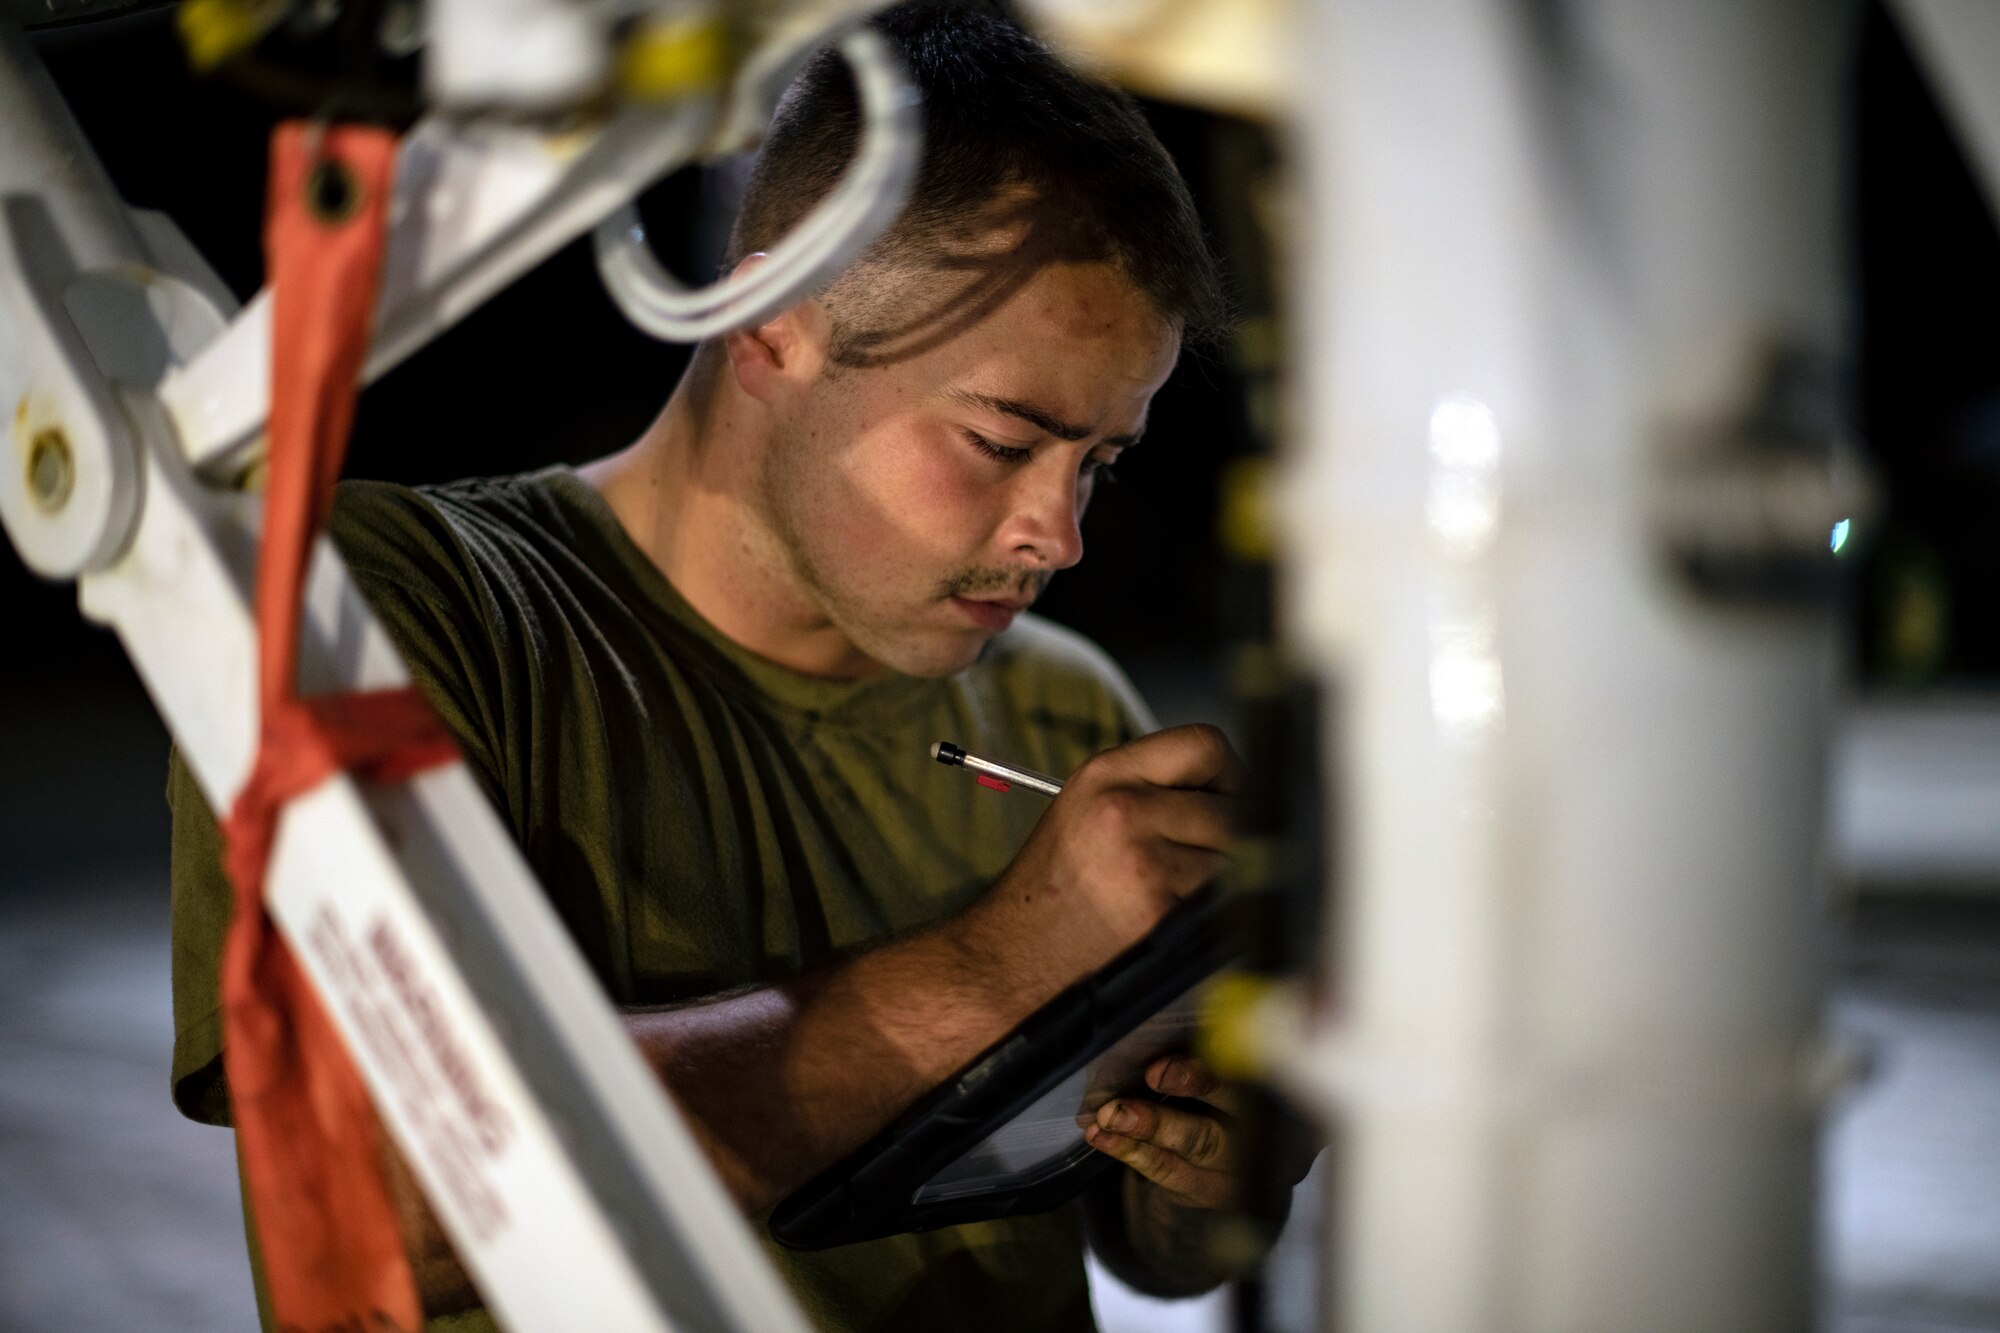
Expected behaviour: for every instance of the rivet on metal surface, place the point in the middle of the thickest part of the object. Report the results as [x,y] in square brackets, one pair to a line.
[51,469]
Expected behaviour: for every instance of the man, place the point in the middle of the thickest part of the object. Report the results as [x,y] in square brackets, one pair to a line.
[699,678]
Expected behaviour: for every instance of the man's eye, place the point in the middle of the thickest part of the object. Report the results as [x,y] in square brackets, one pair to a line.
[1099,470]
[1005,453]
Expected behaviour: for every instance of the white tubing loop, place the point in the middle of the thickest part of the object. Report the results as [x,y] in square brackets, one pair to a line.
[839,227]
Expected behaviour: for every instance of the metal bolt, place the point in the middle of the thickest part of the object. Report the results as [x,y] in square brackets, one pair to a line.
[51,469]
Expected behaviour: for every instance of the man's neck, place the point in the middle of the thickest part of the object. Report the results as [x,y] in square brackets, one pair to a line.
[687,495]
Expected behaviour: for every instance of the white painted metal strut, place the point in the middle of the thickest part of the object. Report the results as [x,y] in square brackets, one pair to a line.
[569,1184]
[1574,1056]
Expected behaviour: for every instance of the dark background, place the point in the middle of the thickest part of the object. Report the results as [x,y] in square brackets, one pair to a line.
[1927,343]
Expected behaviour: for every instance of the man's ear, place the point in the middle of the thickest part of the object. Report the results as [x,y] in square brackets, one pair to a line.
[784,353]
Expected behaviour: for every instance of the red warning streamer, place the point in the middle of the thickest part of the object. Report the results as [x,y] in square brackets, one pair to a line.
[306,1131]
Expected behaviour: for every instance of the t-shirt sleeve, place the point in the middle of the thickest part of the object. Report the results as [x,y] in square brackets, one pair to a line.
[412,570]
[422,582]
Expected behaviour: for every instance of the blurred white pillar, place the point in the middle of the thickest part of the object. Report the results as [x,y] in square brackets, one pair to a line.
[1575,926]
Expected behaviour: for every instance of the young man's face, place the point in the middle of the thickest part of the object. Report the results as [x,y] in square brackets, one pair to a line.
[926,502]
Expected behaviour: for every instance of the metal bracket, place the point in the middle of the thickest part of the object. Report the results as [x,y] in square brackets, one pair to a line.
[70,491]
[1750,496]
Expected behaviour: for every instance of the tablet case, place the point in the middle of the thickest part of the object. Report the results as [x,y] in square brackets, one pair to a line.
[925,1170]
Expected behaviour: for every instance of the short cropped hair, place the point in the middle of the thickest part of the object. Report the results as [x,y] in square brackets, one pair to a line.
[1011,135]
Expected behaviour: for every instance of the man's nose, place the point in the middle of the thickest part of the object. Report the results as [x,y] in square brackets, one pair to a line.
[1046,522]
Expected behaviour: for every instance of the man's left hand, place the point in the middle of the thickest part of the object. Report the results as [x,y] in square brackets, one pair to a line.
[1190,1148]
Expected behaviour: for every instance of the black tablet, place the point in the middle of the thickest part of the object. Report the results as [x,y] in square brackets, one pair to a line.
[1005,1135]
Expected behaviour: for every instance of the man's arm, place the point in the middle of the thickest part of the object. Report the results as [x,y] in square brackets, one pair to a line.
[779,1083]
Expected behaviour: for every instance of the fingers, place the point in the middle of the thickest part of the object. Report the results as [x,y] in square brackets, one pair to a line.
[1191,818]
[1188,1151]
[1186,1076]
[1169,814]
[1169,838]
[1198,1138]
[1185,1183]
[1136,830]
[1198,757]
[1182,870]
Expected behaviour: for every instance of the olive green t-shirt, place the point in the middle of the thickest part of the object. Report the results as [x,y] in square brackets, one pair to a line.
[701,818]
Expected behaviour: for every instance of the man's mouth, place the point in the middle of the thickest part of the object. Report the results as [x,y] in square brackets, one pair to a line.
[991,613]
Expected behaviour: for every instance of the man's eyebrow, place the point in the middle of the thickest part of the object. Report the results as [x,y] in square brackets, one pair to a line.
[1045,422]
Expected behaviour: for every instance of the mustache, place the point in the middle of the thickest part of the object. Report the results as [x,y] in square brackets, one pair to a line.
[1022,584]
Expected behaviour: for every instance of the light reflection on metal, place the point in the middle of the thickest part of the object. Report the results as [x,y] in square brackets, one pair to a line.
[1462,510]
[1839,537]
[1464,502]
[1467,694]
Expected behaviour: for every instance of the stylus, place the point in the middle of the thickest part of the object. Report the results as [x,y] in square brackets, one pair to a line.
[992,773]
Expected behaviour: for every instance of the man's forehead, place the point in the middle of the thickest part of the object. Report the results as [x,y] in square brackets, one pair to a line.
[1074,347]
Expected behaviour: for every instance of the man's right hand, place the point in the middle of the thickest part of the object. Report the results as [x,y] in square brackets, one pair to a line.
[1135,830]
[783,1081]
